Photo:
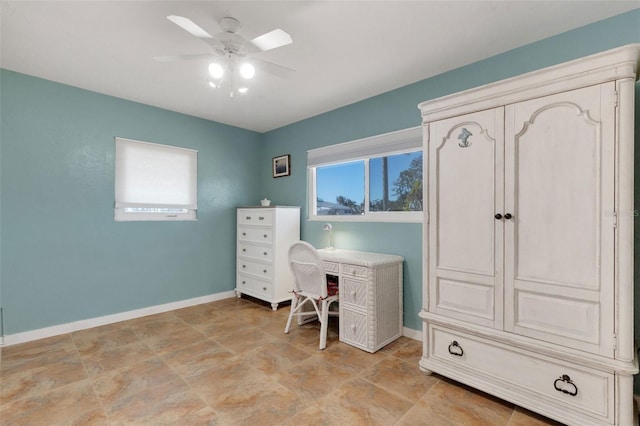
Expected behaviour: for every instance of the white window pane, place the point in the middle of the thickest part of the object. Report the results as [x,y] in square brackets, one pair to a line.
[340,189]
[395,183]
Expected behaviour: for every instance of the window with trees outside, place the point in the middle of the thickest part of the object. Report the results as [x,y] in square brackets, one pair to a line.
[373,179]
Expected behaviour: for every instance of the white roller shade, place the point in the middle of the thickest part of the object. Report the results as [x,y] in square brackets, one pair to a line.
[150,175]
[375,146]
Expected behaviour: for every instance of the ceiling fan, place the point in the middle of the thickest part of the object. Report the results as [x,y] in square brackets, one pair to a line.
[231,53]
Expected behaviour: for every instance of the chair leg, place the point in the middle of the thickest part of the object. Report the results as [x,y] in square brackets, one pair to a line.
[294,302]
[324,323]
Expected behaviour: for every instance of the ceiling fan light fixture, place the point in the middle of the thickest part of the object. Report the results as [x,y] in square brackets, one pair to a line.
[247,70]
[243,90]
[215,70]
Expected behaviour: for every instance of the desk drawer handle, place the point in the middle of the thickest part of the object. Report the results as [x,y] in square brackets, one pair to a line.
[260,218]
[244,266]
[264,270]
[455,349]
[565,385]
[244,250]
[244,282]
[264,288]
[248,217]
[265,253]
[265,235]
[244,234]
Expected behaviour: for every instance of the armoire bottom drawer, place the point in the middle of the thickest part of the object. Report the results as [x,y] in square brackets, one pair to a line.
[253,285]
[565,383]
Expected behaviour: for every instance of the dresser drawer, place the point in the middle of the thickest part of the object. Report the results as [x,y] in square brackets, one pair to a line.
[259,235]
[255,217]
[353,328]
[565,384]
[254,286]
[262,270]
[355,271]
[354,292]
[255,252]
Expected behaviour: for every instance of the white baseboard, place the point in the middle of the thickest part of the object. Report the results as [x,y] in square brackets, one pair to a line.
[57,330]
[412,334]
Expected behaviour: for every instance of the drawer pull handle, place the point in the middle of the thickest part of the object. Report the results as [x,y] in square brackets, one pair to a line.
[264,288]
[265,235]
[265,253]
[248,217]
[244,266]
[455,349]
[264,271]
[260,218]
[244,250]
[244,282]
[244,234]
[565,385]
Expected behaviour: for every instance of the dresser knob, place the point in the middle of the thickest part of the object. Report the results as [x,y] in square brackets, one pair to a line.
[265,235]
[248,217]
[244,234]
[244,250]
[264,270]
[244,266]
[260,218]
[265,253]
[264,288]
[244,282]
[508,216]
[498,216]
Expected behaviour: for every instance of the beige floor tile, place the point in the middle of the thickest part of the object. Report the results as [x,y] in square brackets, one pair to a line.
[197,357]
[274,357]
[35,354]
[31,382]
[173,340]
[106,337]
[351,358]
[72,404]
[314,378]
[447,403]
[356,402]
[245,339]
[400,377]
[110,359]
[522,417]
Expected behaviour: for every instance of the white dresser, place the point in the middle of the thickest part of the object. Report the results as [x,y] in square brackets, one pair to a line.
[528,239]
[264,236]
[370,286]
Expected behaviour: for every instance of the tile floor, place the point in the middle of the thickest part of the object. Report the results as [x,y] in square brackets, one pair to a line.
[229,363]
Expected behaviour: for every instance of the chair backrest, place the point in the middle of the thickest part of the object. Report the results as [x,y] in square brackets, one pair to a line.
[310,278]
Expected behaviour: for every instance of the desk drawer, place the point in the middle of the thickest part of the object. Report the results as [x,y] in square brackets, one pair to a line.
[567,385]
[246,266]
[353,328]
[255,252]
[258,235]
[355,271]
[354,292]
[331,267]
[255,217]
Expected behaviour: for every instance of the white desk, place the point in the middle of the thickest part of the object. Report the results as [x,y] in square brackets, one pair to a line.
[370,296]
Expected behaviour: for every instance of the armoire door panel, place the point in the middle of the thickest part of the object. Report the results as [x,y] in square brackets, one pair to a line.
[561,317]
[465,154]
[560,189]
[466,299]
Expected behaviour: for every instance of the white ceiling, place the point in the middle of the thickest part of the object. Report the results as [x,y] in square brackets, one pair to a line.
[343,51]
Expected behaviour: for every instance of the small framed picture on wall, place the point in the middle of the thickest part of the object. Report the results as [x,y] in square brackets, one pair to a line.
[281,166]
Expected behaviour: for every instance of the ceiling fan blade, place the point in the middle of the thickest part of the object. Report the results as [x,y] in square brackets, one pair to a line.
[271,68]
[272,40]
[189,26]
[172,58]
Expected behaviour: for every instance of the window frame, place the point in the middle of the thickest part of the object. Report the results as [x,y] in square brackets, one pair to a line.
[125,210]
[388,144]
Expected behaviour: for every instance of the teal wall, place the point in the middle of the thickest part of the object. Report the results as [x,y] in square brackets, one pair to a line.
[63,257]
[397,110]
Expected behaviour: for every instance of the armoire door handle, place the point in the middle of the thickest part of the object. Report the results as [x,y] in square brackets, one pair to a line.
[498,216]
[508,216]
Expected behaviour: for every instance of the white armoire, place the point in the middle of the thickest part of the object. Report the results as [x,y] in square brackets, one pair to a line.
[528,239]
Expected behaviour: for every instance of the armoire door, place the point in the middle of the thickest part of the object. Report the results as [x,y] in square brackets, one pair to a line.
[559,242]
[466,187]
